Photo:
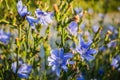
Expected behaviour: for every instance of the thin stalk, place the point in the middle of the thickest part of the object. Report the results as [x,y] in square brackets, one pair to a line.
[33,50]
[17,57]
[62,37]
[7,4]
[18,47]
[1,72]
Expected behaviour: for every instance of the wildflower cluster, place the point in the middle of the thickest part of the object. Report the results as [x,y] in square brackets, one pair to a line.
[62,42]
[43,18]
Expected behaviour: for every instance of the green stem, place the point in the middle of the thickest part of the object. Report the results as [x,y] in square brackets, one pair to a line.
[27,39]
[7,4]
[1,73]
[119,33]
[33,50]
[17,57]
[18,47]
[62,37]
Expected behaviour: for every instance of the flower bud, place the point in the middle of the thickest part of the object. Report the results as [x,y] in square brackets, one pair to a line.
[17,39]
[113,68]
[69,6]
[109,32]
[2,57]
[76,18]
[99,30]
[17,42]
[55,8]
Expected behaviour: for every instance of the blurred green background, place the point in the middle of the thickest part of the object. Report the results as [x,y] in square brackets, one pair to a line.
[8,7]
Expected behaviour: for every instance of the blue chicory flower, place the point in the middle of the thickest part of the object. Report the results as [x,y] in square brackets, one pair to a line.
[23,69]
[44,18]
[90,11]
[102,48]
[118,58]
[22,10]
[4,37]
[113,30]
[95,28]
[81,77]
[111,44]
[84,50]
[73,27]
[32,21]
[78,10]
[101,15]
[58,60]
[116,61]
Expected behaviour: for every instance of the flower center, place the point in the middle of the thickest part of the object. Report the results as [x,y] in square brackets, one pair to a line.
[60,61]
